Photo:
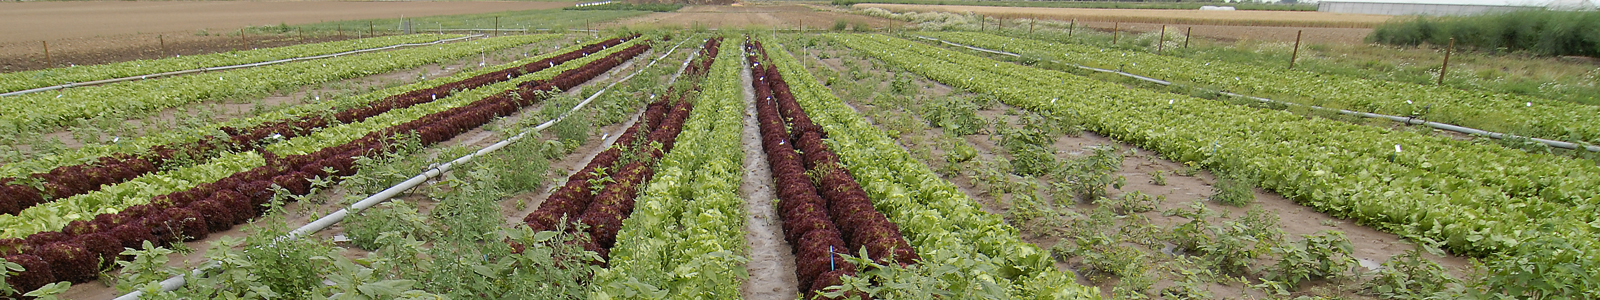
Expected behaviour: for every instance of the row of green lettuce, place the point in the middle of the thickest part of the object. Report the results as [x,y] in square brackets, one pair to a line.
[111,199]
[44,111]
[1323,164]
[90,152]
[11,82]
[1515,114]
[685,238]
[1513,173]
[944,225]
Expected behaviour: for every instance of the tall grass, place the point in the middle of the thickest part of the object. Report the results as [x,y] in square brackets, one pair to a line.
[1538,31]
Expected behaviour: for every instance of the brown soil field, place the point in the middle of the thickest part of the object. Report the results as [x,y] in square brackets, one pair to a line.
[99,32]
[726,16]
[1195,17]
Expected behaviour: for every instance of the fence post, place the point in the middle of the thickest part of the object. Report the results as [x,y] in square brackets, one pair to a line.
[1115,26]
[163,42]
[1161,42]
[1446,66]
[1296,54]
[49,63]
[340,27]
[1030,26]
[1186,35]
[243,40]
[1072,26]
[372,30]
[497,26]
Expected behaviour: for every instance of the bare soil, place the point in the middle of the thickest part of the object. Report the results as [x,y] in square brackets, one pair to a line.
[96,32]
[785,16]
[1371,247]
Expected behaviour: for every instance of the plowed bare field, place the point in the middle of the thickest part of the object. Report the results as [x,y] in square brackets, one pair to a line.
[97,32]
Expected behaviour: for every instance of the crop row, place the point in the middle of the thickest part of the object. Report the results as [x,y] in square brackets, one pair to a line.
[66,181]
[41,111]
[947,228]
[618,172]
[1516,114]
[11,82]
[831,218]
[1515,173]
[1315,162]
[76,253]
[685,237]
[56,214]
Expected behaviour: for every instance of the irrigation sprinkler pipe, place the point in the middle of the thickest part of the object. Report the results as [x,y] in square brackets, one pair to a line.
[222,68]
[175,282]
[1406,120]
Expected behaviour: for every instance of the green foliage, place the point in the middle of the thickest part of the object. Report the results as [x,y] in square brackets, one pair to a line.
[1158,178]
[1232,191]
[148,265]
[1540,31]
[394,217]
[655,7]
[1086,178]
[1229,247]
[16,81]
[840,25]
[1411,276]
[1325,255]
[1131,202]
[957,115]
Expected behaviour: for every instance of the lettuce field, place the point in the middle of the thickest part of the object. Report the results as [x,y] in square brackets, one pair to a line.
[762,164]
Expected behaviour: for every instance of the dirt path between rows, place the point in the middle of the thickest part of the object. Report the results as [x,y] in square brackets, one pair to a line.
[771,266]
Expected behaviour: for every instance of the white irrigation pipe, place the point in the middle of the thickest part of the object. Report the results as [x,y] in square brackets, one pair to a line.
[221,68]
[1406,120]
[175,282]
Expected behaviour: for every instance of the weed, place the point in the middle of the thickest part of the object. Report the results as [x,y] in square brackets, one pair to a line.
[1325,255]
[1410,276]
[1086,178]
[1232,191]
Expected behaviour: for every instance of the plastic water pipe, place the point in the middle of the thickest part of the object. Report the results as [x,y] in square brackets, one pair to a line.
[175,282]
[1406,120]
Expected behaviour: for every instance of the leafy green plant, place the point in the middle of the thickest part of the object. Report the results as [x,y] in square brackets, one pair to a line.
[1325,255]
[1086,178]
[1410,275]
[1232,191]
[1158,178]
[148,265]
[1131,202]
[393,217]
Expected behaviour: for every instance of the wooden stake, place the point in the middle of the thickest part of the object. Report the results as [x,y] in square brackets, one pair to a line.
[49,63]
[1296,54]
[497,26]
[1072,26]
[1030,28]
[1161,42]
[341,30]
[1186,35]
[244,40]
[372,30]
[1446,66]
[163,42]
[1114,34]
